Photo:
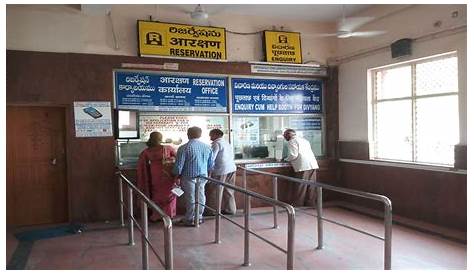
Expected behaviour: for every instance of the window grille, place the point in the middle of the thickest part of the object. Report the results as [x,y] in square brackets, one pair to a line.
[415,115]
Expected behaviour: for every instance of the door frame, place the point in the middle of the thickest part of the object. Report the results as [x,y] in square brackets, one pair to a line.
[66,110]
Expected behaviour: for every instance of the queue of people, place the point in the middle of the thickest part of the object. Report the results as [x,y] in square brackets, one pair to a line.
[161,168]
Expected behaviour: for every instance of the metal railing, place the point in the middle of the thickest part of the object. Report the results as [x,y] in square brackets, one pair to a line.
[289,210]
[167,224]
[319,191]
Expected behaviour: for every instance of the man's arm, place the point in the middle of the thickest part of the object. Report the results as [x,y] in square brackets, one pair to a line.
[210,160]
[179,164]
[215,150]
[292,151]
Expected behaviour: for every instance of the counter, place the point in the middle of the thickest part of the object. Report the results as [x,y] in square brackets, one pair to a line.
[255,182]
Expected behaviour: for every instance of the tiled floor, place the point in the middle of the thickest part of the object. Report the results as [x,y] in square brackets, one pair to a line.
[104,246]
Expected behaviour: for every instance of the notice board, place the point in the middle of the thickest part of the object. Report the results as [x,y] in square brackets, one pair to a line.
[148,91]
[277,96]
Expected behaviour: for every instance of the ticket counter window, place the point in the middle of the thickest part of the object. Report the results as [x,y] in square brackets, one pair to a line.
[174,130]
[261,137]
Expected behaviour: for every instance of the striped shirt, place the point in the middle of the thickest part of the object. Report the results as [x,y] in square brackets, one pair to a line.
[193,159]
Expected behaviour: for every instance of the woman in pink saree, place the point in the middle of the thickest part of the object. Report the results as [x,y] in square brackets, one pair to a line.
[154,176]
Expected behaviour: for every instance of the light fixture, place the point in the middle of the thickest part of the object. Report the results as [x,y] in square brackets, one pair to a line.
[199,13]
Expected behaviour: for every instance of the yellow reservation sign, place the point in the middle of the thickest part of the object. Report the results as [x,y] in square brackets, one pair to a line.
[282,47]
[177,40]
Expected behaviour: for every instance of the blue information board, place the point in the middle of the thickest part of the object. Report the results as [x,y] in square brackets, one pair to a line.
[252,95]
[162,92]
[305,123]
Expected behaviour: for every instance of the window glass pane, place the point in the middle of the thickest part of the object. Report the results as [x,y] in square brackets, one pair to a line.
[439,76]
[262,136]
[393,83]
[174,127]
[437,129]
[393,130]
[174,130]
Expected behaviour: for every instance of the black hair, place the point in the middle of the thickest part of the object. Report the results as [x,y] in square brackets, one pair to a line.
[217,132]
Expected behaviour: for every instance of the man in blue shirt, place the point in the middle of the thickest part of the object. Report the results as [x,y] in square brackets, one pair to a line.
[193,159]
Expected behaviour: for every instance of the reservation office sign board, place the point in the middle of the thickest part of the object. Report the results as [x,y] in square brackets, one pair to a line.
[176,40]
[282,47]
[148,91]
[92,119]
[277,96]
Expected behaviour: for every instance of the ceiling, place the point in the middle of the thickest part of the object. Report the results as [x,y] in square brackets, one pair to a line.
[307,12]
[313,12]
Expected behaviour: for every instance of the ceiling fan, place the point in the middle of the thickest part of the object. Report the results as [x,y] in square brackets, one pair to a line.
[347,25]
[199,13]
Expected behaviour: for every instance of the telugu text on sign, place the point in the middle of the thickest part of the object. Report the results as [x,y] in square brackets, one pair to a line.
[155,38]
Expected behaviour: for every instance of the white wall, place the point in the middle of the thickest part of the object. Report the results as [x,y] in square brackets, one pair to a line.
[57,28]
[410,22]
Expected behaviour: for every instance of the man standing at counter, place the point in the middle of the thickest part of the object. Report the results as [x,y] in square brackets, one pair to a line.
[223,170]
[304,164]
[193,159]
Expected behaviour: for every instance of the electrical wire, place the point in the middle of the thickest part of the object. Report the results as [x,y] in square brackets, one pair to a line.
[116,45]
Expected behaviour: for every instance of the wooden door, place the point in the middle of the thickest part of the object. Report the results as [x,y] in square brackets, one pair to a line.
[36,166]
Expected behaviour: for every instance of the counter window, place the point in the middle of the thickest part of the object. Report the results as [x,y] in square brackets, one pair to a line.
[262,136]
[174,129]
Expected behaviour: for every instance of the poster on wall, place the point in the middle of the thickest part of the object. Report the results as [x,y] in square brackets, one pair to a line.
[148,91]
[177,40]
[246,131]
[278,96]
[282,47]
[174,128]
[93,119]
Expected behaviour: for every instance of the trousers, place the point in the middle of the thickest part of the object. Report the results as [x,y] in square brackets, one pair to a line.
[228,199]
[304,195]
[189,186]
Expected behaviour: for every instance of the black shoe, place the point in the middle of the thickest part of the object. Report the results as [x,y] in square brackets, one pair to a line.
[184,223]
[187,223]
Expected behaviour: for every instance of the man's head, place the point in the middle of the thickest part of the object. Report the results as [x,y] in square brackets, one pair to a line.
[194,132]
[289,134]
[215,134]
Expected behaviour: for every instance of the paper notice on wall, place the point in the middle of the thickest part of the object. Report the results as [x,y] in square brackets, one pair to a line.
[93,119]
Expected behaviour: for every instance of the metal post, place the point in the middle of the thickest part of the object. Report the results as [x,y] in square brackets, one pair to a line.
[196,202]
[275,196]
[130,214]
[122,223]
[388,237]
[144,236]
[218,214]
[244,178]
[319,209]
[168,244]
[291,241]
[247,229]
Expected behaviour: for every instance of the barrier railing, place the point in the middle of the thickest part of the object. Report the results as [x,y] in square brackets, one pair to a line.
[167,224]
[289,210]
[319,190]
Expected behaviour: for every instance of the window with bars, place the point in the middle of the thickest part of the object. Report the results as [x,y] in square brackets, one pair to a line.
[415,111]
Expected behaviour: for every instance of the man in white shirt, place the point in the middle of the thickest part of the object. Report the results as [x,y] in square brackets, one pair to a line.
[304,164]
[223,170]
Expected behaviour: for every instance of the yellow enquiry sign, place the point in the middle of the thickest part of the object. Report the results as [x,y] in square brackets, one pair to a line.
[177,40]
[282,47]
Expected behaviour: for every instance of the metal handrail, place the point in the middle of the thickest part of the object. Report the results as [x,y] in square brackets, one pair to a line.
[289,209]
[319,186]
[146,202]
